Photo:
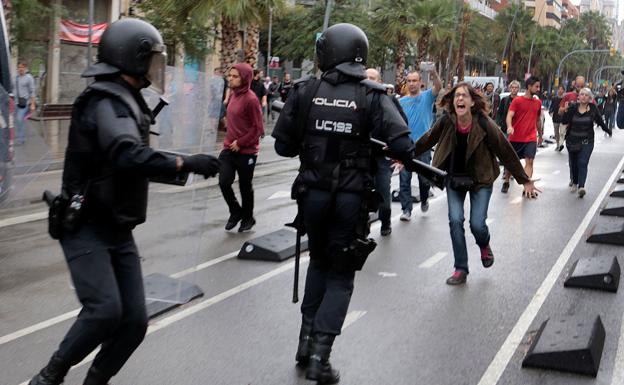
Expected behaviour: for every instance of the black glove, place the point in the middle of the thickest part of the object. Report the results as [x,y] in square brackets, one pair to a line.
[204,164]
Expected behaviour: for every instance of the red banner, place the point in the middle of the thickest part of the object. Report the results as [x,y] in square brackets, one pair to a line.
[79,33]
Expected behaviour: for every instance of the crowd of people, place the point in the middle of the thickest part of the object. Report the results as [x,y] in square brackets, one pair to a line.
[328,122]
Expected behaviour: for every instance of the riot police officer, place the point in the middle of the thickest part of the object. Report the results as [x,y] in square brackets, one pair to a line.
[108,162]
[328,122]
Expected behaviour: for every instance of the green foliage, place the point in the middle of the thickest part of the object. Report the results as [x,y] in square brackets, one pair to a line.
[194,34]
[294,31]
[29,21]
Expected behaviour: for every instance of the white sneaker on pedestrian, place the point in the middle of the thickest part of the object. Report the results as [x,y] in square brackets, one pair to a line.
[573,188]
[406,216]
[581,192]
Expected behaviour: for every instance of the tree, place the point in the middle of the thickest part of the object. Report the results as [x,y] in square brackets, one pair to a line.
[396,23]
[194,34]
[430,18]
[28,21]
[233,14]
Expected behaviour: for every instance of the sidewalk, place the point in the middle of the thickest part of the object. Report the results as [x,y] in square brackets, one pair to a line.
[39,163]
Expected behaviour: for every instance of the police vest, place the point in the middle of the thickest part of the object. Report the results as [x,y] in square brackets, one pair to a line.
[111,195]
[336,154]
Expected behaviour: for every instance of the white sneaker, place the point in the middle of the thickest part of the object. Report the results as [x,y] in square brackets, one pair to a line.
[573,188]
[581,192]
[406,216]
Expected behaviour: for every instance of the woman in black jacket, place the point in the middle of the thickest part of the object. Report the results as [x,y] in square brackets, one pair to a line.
[580,118]
[609,108]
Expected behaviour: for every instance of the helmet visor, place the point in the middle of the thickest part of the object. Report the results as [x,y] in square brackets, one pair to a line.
[156,72]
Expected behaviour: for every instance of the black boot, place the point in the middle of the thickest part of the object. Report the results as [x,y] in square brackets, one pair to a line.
[320,369]
[95,377]
[305,338]
[53,373]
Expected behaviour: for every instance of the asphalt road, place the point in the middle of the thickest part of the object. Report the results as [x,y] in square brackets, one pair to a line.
[405,326]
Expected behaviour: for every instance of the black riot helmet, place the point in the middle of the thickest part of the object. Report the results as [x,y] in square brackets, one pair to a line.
[133,47]
[342,43]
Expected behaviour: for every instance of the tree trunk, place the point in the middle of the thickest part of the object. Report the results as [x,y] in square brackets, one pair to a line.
[400,62]
[229,39]
[252,41]
[461,65]
[423,44]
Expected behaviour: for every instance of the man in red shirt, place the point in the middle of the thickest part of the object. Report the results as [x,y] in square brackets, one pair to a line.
[524,126]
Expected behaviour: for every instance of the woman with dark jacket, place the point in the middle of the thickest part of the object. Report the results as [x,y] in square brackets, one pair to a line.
[468,143]
[580,118]
[609,108]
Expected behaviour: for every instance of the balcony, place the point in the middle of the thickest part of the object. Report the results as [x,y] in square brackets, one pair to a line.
[482,8]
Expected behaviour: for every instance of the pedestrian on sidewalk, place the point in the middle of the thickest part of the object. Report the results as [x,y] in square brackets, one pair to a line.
[468,143]
[105,177]
[24,96]
[580,118]
[240,147]
[418,107]
[556,118]
[610,105]
[524,126]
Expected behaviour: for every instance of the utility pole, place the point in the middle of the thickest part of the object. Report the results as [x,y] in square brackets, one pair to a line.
[90,45]
[269,43]
[328,9]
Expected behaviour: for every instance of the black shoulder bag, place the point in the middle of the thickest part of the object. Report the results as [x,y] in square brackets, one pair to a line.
[459,182]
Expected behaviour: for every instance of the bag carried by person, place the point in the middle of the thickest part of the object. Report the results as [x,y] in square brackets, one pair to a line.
[21,102]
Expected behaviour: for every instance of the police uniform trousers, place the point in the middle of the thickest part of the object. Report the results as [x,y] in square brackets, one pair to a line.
[106,272]
[330,227]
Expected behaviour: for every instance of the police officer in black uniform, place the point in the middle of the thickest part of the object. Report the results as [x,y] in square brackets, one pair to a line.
[328,122]
[105,180]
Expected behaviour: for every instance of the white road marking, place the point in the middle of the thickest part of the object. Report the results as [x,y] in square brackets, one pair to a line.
[618,369]
[556,172]
[204,265]
[516,201]
[71,314]
[188,311]
[23,219]
[384,274]
[496,368]
[279,195]
[36,327]
[431,261]
[351,317]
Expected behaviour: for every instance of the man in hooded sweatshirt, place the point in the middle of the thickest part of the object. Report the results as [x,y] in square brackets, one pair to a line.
[240,147]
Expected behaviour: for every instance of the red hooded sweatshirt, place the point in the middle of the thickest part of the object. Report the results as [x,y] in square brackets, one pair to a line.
[244,115]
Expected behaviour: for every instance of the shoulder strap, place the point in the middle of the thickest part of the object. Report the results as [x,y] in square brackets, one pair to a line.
[121,93]
[305,104]
[17,86]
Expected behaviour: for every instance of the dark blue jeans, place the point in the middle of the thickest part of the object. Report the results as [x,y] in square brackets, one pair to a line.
[405,184]
[479,202]
[579,161]
[382,185]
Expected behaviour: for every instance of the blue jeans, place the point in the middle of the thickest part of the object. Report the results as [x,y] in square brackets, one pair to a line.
[579,162]
[405,185]
[479,202]
[382,185]
[20,124]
